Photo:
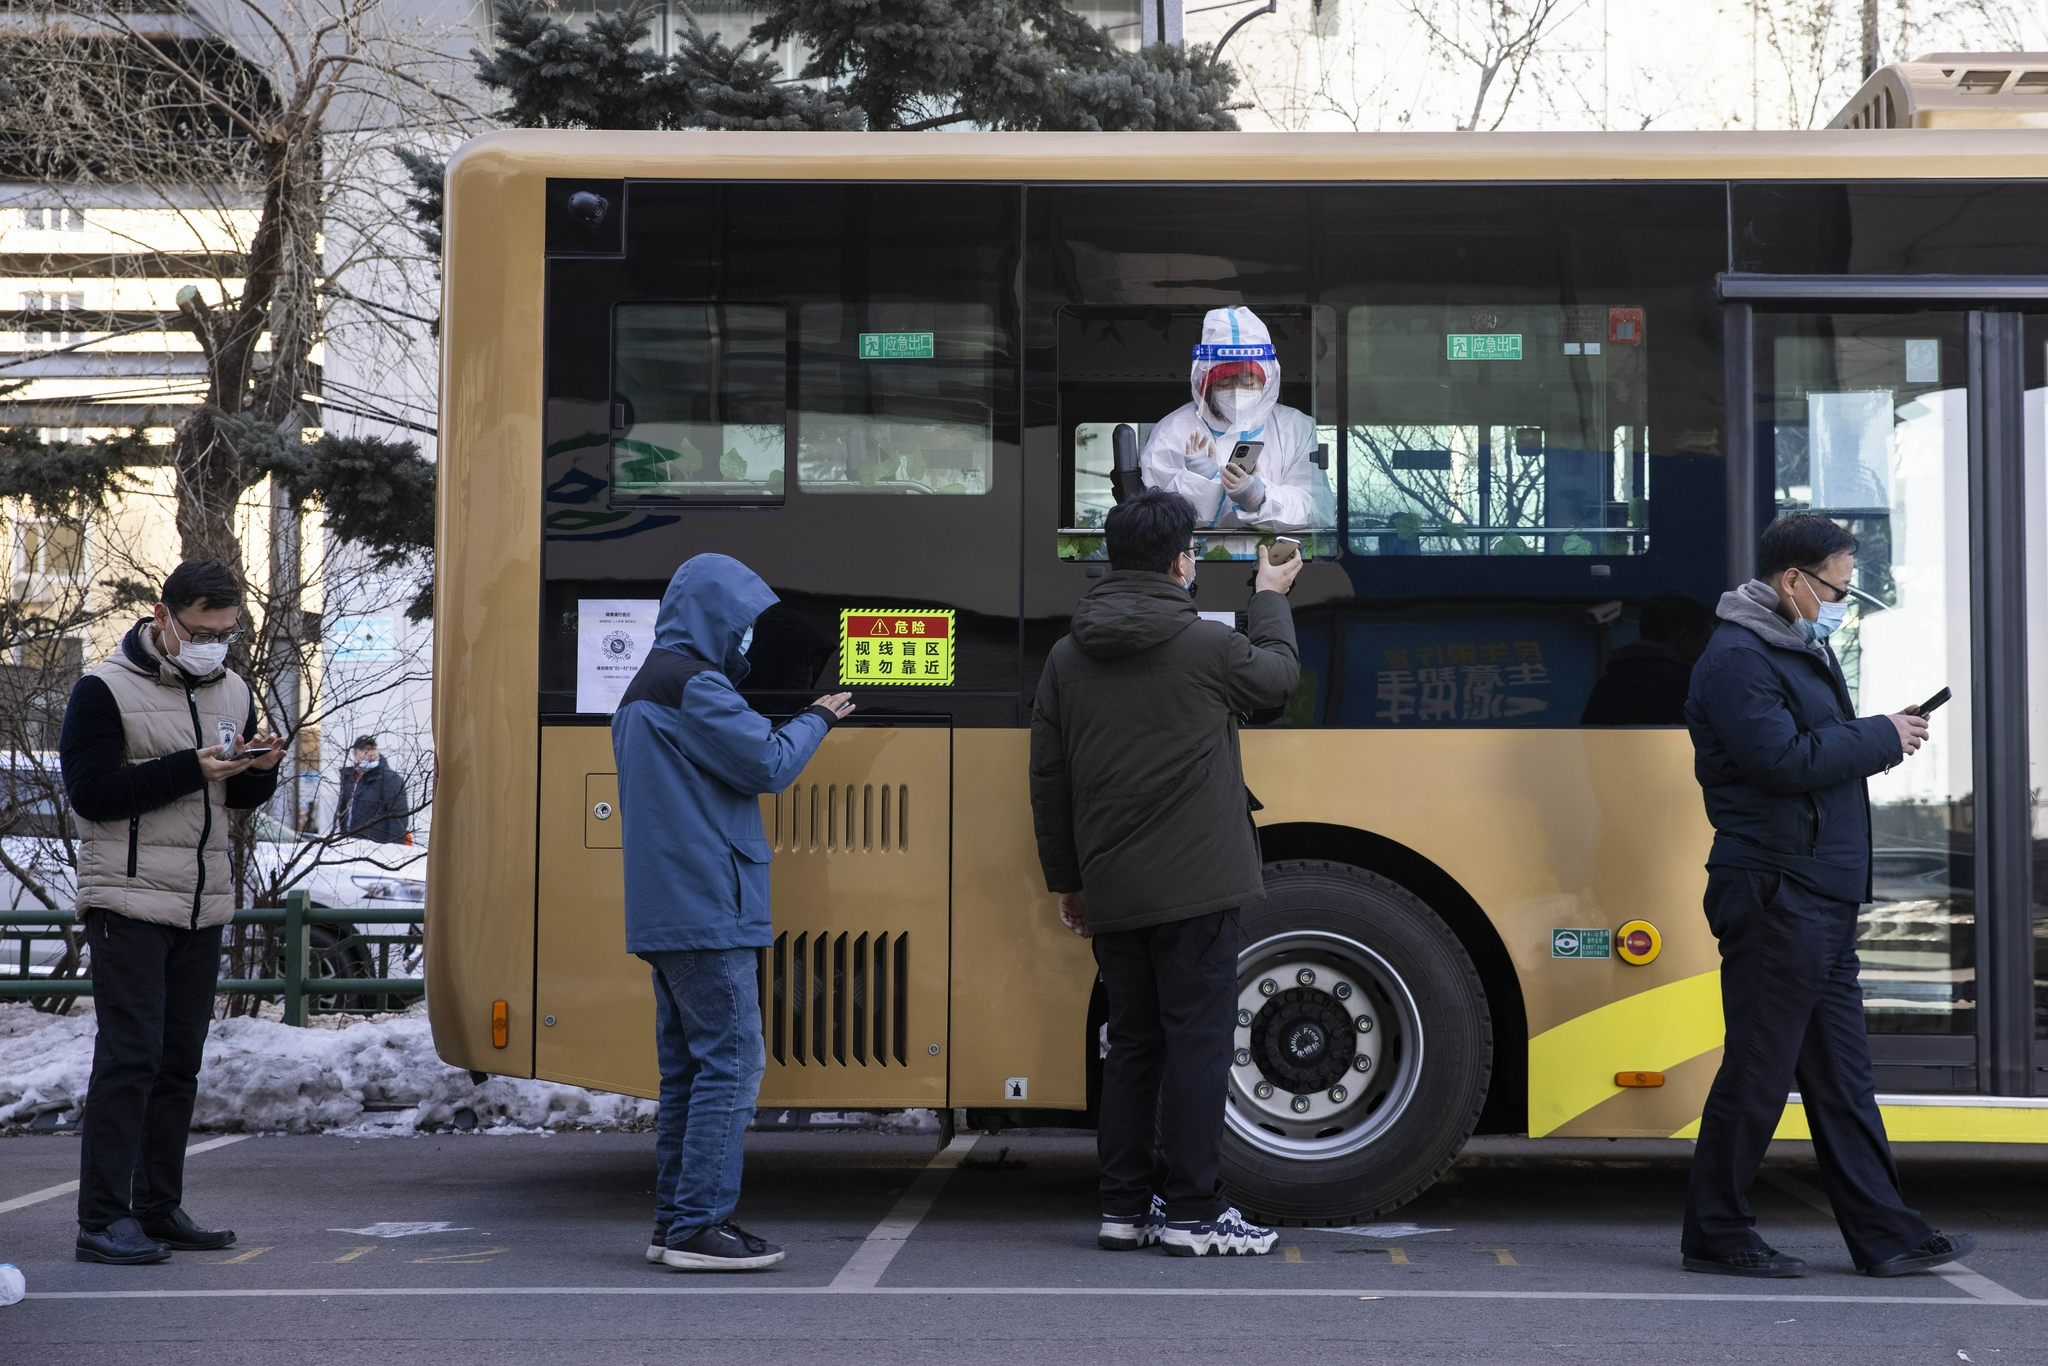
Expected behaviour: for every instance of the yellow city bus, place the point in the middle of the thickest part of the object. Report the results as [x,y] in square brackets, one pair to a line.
[1553,378]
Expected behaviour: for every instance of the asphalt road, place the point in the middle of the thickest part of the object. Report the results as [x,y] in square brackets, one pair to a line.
[1528,1252]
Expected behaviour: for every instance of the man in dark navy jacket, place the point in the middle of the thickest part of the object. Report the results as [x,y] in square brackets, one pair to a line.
[1782,758]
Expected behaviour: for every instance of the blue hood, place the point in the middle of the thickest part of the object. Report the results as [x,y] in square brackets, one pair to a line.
[709,605]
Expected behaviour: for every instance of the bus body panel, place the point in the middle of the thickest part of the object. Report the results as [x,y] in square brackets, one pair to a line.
[1021,979]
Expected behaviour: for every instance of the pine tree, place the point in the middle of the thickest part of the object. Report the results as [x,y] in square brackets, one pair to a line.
[884,64]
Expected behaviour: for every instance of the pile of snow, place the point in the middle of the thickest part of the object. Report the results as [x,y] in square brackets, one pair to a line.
[374,1077]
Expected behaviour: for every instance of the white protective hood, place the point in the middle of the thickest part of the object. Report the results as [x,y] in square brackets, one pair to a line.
[1236,335]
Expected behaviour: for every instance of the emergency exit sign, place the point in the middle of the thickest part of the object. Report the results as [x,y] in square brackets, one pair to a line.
[1483,346]
[895,346]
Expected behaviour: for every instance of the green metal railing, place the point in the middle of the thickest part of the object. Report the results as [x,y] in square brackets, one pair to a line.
[295,984]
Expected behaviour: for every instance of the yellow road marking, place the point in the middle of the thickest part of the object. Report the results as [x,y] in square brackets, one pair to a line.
[1290,1254]
[463,1258]
[1396,1257]
[355,1252]
[1501,1256]
[251,1255]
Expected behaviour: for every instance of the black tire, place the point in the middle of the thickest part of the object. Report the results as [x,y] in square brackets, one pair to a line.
[1421,1025]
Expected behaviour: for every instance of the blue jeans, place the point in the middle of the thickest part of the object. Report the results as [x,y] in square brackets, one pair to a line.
[707,1012]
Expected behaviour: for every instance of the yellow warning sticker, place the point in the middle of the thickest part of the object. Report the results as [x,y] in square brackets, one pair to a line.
[883,645]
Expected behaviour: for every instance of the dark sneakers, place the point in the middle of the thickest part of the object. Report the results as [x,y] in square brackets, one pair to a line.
[722,1247]
[1229,1234]
[1766,1262]
[1939,1250]
[121,1243]
[657,1246]
[1129,1232]
[180,1234]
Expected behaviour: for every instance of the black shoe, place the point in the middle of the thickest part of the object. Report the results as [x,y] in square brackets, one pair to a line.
[121,1243]
[180,1234]
[1939,1250]
[722,1247]
[1766,1262]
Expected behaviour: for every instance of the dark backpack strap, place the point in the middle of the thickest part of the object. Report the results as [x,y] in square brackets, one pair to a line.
[663,677]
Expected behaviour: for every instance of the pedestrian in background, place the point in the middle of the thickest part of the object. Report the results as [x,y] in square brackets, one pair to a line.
[1145,830]
[373,805]
[1783,759]
[153,755]
[693,760]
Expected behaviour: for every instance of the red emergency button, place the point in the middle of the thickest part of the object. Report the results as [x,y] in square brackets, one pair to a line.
[1638,942]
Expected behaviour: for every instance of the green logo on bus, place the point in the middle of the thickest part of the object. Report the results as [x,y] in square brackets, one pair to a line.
[915,346]
[1457,346]
[1581,944]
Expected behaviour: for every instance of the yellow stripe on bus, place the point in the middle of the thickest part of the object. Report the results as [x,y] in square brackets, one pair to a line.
[1572,1067]
[1931,1124]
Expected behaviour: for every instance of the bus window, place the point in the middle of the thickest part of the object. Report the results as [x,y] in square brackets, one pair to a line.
[698,402]
[1509,430]
[896,398]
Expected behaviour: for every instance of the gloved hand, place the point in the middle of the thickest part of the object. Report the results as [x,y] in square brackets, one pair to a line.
[1248,491]
[1200,465]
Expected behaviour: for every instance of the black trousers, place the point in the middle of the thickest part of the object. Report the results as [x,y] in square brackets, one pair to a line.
[1794,1014]
[152,989]
[1172,1009]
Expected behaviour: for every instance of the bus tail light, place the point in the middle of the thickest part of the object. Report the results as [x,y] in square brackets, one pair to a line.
[501,1029]
[1638,1078]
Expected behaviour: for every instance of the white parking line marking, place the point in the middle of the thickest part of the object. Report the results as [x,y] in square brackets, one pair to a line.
[1201,1292]
[52,1192]
[1971,1283]
[863,1270]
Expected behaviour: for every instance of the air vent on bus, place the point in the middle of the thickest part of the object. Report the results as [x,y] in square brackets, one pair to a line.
[827,997]
[863,818]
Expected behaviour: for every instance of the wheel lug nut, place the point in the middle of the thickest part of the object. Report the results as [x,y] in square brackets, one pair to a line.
[1338,1094]
[1362,1063]
[1307,977]
[1244,1019]
[1264,1090]
[1300,1105]
[1268,987]
[1244,1057]
[1365,1024]
[1342,991]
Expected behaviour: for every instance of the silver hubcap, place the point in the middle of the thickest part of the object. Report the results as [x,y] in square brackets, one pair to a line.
[1328,1046]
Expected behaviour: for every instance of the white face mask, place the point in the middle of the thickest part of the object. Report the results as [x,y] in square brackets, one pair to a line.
[1230,404]
[196,659]
[747,640]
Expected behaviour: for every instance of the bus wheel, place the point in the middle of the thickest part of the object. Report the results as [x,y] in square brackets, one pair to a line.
[1362,1052]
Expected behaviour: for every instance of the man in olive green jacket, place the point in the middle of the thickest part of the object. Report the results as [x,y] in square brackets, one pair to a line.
[1145,830]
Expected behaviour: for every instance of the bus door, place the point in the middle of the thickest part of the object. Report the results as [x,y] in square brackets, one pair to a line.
[1902,421]
[819,381]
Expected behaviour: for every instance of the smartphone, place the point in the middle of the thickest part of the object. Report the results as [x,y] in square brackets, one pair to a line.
[1245,455]
[1927,708]
[249,753]
[1283,549]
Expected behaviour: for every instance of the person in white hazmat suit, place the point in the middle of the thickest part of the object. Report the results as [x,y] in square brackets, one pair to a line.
[1236,386]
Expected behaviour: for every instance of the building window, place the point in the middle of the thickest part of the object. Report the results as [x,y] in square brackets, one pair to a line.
[59,219]
[37,332]
[46,554]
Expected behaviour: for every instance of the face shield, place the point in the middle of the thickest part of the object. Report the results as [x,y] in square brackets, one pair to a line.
[1236,375]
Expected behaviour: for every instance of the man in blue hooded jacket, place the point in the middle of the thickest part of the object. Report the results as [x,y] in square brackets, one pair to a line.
[693,761]
[1782,759]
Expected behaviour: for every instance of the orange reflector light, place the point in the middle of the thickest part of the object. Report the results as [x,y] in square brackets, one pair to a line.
[501,1030]
[1629,1078]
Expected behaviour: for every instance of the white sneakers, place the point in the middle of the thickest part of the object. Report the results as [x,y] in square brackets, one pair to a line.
[1229,1234]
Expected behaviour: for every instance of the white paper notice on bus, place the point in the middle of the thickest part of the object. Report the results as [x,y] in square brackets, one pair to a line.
[613,636]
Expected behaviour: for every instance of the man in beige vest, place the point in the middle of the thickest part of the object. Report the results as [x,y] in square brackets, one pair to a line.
[159,743]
